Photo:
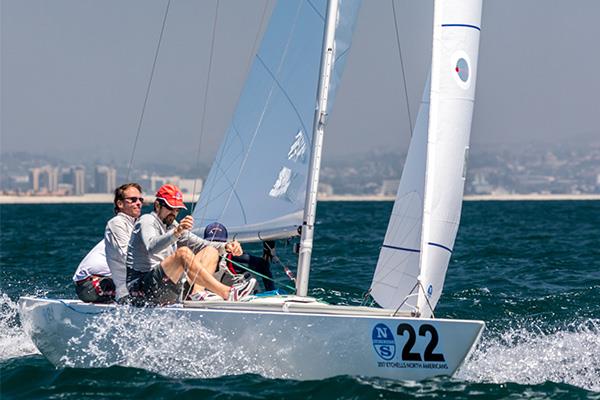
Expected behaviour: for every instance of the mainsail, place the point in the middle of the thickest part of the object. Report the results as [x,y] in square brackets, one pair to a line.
[257,183]
[431,212]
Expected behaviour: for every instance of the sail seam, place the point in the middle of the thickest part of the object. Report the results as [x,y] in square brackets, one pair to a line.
[387,246]
[284,92]
[461,26]
[441,246]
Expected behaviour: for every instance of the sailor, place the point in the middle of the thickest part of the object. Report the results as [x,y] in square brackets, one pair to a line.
[100,277]
[128,203]
[218,232]
[162,253]
[93,283]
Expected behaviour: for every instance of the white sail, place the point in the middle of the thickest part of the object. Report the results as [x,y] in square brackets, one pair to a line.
[398,265]
[453,76]
[257,183]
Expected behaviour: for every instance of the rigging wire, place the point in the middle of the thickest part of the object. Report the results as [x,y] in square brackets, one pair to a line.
[205,101]
[402,68]
[276,258]
[139,127]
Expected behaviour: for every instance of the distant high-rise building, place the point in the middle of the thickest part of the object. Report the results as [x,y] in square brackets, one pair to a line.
[34,178]
[78,180]
[44,179]
[106,179]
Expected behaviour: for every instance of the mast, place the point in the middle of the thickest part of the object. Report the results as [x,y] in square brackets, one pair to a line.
[310,204]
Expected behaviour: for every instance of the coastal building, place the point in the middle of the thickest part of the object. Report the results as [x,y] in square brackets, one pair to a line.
[75,177]
[389,187]
[44,179]
[187,186]
[479,184]
[325,189]
[190,186]
[78,180]
[105,179]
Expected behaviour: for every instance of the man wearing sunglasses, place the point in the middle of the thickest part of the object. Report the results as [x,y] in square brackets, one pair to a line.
[163,252]
[128,208]
[100,277]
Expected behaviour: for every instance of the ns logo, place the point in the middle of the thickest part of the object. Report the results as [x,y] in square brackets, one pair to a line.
[383,342]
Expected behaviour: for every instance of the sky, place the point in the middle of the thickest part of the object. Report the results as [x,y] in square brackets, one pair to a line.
[74,75]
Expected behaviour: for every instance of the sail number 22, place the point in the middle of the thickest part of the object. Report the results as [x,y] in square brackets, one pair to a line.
[428,354]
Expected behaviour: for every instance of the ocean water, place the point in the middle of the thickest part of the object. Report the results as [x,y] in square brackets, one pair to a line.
[531,270]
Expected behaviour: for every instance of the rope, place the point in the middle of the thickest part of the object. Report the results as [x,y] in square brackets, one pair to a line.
[293,289]
[285,268]
[402,68]
[205,101]
[365,298]
[139,127]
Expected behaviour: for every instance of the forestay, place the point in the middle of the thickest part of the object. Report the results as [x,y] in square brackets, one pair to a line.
[404,260]
[257,183]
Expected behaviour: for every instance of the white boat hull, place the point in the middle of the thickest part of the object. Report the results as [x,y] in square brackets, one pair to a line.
[288,337]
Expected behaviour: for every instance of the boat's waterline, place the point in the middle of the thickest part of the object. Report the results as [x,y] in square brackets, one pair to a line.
[277,337]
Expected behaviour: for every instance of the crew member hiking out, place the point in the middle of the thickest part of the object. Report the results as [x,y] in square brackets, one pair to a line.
[163,252]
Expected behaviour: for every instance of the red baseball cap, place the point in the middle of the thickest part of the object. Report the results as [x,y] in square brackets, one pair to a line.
[171,195]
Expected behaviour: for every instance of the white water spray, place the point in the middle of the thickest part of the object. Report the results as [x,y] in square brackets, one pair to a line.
[532,355]
[14,342]
[168,344]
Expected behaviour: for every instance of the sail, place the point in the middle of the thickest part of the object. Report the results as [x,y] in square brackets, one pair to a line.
[257,183]
[453,76]
[398,265]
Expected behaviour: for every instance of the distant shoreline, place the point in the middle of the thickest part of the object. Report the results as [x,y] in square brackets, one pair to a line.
[482,197]
[108,198]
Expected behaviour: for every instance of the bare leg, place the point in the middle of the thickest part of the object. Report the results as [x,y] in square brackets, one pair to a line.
[173,266]
[208,257]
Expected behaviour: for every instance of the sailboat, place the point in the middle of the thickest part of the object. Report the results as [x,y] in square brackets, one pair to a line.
[270,197]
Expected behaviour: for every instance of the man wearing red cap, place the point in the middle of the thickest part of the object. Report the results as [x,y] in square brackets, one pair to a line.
[161,252]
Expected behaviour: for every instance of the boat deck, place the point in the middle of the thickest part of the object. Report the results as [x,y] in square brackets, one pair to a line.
[294,304]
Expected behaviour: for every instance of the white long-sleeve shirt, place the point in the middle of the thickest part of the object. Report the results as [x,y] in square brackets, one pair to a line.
[94,263]
[116,240]
[152,241]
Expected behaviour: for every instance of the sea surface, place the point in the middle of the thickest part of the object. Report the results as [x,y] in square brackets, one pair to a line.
[530,270]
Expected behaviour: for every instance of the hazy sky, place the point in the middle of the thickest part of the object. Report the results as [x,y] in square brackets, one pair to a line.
[74,75]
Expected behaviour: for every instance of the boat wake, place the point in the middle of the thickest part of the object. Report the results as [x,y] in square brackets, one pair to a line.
[533,355]
[14,342]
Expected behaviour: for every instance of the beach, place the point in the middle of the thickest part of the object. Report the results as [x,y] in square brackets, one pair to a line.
[108,198]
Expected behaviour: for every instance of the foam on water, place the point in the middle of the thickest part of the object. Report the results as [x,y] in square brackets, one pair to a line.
[14,342]
[533,355]
[163,343]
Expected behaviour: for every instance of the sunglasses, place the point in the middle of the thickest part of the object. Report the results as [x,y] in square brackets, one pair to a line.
[168,207]
[132,200]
